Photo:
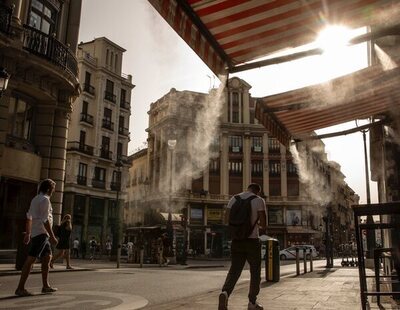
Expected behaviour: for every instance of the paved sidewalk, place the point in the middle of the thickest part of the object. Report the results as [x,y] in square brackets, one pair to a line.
[336,288]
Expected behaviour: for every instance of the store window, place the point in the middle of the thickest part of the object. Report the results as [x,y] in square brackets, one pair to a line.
[235,144]
[20,115]
[275,216]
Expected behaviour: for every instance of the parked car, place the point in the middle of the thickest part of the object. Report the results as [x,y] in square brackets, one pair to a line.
[290,253]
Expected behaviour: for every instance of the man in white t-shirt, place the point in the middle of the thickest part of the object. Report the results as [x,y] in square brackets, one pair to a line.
[40,234]
[248,249]
[75,248]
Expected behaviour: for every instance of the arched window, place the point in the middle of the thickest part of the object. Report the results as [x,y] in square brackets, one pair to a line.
[43,15]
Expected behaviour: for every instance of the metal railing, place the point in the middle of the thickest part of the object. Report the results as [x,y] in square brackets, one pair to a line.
[125,105]
[87,118]
[80,147]
[115,186]
[123,131]
[48,47]
[105,154]
[108,124]
[81,180]
[110,96]
[88,88]
[5,18]
[98,183]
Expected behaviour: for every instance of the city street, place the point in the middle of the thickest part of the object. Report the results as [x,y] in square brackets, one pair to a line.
[124,288]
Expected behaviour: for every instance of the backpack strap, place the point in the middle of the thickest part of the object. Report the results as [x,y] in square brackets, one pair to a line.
[255,223]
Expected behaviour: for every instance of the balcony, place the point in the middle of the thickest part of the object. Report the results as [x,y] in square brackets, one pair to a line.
[108,124]
[122,158]
[81,180]
[48,47]
[5,18]
[110,97]
[123,131]
[98,183]
[256,149]
[125,105]
[87,118]
[105,154]
[235,149]
[88,88]
[80,147]
[115,186]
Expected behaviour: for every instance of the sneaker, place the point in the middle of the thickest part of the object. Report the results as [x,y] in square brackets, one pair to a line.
[255,306]
[23,293]
[223,301]
[49,290]
[70,267]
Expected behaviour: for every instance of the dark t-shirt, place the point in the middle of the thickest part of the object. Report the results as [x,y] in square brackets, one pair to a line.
[64,235]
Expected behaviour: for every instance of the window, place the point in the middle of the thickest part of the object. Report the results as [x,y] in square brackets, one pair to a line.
[235,144]
[116,62]
[20,115]
[107,56]
[100,174]
[256,144]
[110,87]
[257,168]
[275,216]
[214,166]
[291,169]
[105,143]
[82,171]
[121,124]
[107,119]
[88,77]
[116,177]
[82,138]
[235,108]
[274,168]
[123,96]
[235,167]
[274,145]
[119,150]
[43,16]
[85,107]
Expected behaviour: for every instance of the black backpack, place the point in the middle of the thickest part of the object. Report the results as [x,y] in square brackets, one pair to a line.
[240,218]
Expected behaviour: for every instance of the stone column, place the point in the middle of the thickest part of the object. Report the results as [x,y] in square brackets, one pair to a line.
[246,107]
[72,28]
[17,5]
[224,165]
[265,165]
[246,161]
[283,173]
[57,160]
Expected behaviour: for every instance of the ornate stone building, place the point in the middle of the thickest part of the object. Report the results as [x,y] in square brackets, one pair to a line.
[97,165]
[38,41]
[240,152]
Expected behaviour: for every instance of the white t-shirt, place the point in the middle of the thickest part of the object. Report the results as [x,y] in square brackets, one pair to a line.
[257,204]
[40,212]
[75,244]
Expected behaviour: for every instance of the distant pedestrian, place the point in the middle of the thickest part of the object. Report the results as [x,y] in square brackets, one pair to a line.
[75,248]
[93,247]
[83,249]
[40,234]
[165,248]
[64,235]
[243,213]
[129,246]
[108,247]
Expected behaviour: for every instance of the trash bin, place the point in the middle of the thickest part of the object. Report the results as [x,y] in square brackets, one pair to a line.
[22,252]
[272,263]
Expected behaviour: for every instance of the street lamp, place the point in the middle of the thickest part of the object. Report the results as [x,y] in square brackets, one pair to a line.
[4,77]
[328,237]
[118,234]
[171,147]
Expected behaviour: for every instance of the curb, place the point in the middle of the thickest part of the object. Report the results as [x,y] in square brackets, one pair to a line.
[18,272]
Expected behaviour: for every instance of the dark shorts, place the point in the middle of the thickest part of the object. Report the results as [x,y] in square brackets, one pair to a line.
[40,246]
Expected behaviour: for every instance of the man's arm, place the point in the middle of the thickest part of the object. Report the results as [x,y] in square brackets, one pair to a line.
[44,216]
[263,221]
[53,239]
[28,229]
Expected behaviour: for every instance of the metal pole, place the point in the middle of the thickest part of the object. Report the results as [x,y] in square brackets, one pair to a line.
[119,230]
[311,260]
[297,262]
[305,260]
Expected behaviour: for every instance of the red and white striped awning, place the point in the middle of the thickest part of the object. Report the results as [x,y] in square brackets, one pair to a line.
[296,114]
[227,33]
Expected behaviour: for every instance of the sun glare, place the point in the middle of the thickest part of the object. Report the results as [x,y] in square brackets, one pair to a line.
[333,38]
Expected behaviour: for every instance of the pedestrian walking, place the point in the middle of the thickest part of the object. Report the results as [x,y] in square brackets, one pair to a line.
[40,234]
[75,248]
[129,246]
[108,247]
[246,216]
[165,248]
[64,235]
[92,246]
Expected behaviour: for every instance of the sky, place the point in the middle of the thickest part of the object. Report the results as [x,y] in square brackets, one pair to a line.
[158,60]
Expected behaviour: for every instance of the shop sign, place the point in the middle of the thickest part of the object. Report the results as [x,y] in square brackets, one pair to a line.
[214,215]
[196,214]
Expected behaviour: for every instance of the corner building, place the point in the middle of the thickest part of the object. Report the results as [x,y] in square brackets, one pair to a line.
[242,153]
[38,41]
[97,163]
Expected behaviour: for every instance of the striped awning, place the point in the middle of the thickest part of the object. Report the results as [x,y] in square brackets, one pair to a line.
[227,33]
[373,91]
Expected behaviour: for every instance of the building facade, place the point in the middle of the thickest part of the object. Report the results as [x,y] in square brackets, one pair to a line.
[97,164]
[240,152]
[38,42]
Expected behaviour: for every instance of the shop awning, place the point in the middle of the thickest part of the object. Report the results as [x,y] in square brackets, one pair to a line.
[373,91]
[227,33]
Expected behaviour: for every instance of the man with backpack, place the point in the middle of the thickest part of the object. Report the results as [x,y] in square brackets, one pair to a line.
[246,217]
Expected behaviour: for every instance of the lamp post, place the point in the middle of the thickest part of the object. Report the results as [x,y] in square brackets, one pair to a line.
[328,237]
[171,147]
[118,223]
[4,78]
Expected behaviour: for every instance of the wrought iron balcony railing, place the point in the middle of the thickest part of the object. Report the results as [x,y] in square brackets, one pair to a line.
[48,47]
[87,118]
[110,96]
[105,154]
[123,131]
[88,88]
[98,183]
[81,180]
[80,147]
[125,105]
[115,186]
[108,124]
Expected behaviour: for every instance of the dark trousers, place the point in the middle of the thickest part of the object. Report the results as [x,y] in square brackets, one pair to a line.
[241,251]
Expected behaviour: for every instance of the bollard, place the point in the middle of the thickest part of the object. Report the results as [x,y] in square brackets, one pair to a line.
[141,257]
[297,262]
[311,261]
[118,255]
[305,260]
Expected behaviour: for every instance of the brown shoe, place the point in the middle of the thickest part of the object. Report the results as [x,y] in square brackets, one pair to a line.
[49,290]
[23,293]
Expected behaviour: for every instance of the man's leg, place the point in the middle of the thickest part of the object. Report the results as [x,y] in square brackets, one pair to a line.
[45,270]
[237,263]
[26,269]
[254,259]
